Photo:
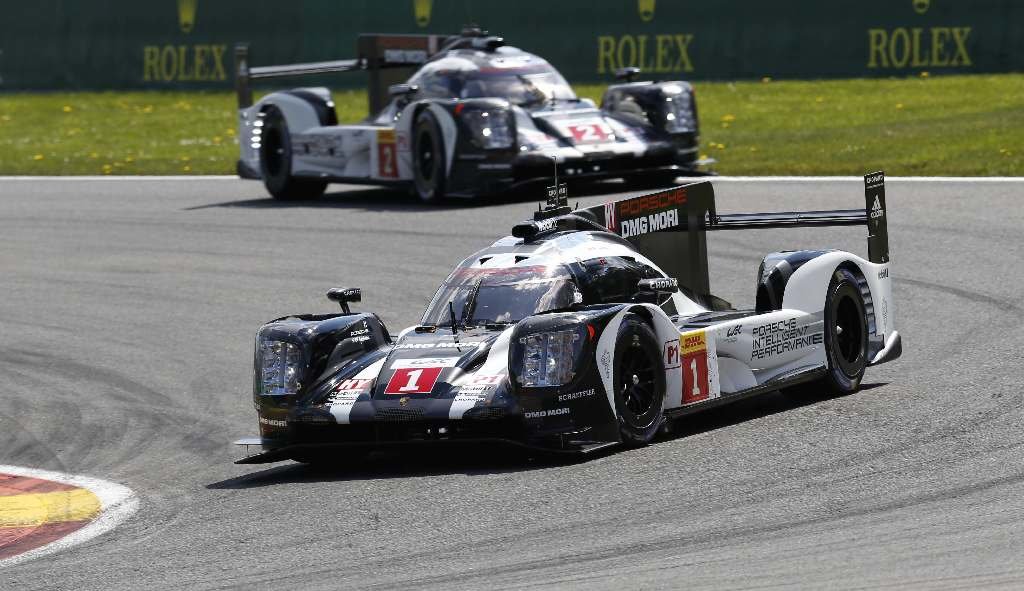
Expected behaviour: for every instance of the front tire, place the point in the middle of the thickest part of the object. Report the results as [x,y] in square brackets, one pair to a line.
[276,161]
[639,382]
[429,169]
[846,333]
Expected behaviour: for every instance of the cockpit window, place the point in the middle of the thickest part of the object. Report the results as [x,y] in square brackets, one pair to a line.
[615,279]
[523,84]
[501,296]
[524,89]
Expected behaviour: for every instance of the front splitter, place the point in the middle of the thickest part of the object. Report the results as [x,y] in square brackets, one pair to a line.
[288,451]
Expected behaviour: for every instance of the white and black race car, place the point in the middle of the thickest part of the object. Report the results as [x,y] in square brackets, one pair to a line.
[584,328]
[476,117]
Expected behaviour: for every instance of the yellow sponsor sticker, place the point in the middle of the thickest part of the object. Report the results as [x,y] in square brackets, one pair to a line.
[693,342]
[386,136]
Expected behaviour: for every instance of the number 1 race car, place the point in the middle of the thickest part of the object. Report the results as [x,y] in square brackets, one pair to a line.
[584,328]
[475,117]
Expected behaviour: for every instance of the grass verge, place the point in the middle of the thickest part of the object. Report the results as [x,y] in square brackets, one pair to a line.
[928,125]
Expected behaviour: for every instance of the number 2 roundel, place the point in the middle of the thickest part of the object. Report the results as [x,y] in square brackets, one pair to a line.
[408,380]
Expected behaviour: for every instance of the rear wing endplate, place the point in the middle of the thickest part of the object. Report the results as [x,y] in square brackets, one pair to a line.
[654,222]
[388,59]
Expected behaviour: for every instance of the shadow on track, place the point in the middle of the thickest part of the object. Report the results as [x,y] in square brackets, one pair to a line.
[390,199]
[757,407]
[479,462]
[391,464]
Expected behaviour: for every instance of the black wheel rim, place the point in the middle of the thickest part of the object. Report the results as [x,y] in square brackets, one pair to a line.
[636,383]
[425,156]
[848,336]
[273,151]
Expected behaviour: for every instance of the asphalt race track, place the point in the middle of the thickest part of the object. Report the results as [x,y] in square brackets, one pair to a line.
[127,315]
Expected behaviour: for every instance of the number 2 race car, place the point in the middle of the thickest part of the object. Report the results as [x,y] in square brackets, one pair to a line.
[476,117]
[584,328]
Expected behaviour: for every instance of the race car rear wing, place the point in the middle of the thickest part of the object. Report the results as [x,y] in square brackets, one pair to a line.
[388,59]
[654,223]
[873,216]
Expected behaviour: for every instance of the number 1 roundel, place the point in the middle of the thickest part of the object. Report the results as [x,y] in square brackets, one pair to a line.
[694,360]
[408,380]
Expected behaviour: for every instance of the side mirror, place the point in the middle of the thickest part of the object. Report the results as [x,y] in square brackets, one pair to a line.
[627,74]
[650,290]
[344,295]
[402,89]
[659,285]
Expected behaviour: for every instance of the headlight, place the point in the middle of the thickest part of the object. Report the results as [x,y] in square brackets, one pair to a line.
[491,127]
[679,113]
[278,368]
[549,358]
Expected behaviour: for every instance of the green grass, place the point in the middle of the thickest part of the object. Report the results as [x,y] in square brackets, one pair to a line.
[938,125]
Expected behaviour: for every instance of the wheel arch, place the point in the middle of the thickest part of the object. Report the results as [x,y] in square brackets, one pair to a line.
[665,331]
[805,289]
[449,129]
[302,108]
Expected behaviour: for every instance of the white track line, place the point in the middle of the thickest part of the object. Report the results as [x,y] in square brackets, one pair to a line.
[117,503]
[211,177]
[717,179]
[901,179]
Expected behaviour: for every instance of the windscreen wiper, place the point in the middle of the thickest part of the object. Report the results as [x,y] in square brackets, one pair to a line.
[455,334]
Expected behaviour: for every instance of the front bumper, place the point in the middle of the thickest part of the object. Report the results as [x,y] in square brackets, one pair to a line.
[387,437]
[292,450]
[390,425]
[497,173]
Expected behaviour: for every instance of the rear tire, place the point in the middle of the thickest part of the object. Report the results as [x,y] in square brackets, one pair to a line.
[429,169]
[846,334]
[276,161]
[639,382]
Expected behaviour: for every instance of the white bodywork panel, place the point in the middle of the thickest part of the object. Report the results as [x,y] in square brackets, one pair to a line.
[366,152]
[807,287]
[348,391]
[474,388]
[590,132]
[448,132]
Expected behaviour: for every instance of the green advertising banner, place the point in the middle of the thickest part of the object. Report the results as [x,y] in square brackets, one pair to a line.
[119,44]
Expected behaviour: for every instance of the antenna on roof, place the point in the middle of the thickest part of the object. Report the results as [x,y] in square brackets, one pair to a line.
[554,162]
[558,194]
[557,197]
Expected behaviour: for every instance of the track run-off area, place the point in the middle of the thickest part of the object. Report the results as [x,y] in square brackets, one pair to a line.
[127,317]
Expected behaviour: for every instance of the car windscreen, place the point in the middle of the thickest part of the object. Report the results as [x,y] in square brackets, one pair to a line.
[500,296]
[521,83]
[520,86]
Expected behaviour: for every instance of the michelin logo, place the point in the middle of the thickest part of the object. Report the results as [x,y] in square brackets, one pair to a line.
[650,223]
